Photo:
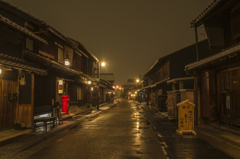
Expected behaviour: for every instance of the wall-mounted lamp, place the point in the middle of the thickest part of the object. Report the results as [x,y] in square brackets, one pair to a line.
[0,71]
[22,79]
[67,60]
[60,82]
[113,87]
[89,82]
[137,80]
[91,88]
[60,87]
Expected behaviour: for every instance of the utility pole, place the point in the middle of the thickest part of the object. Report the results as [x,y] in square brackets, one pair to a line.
[98,85]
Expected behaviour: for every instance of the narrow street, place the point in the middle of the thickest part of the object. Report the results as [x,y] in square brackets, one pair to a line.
[120,132]
[128,130]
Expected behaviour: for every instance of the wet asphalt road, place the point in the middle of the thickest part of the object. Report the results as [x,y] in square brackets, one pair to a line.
[178,146]
[120,132]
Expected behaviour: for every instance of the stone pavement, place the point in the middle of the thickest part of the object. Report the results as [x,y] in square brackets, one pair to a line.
[209,142]
[13,141]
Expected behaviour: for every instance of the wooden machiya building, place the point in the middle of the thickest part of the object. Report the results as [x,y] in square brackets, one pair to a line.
[167,76]
[106,91]
[217,78]
[33,73]
[87,64]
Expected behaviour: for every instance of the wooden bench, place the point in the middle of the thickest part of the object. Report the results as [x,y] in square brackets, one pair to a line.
[45,120]
[44,110]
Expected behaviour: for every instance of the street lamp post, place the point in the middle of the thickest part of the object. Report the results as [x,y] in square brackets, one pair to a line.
[99,65]
[98,93]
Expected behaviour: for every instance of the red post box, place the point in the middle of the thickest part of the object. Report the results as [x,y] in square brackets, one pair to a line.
[65,99]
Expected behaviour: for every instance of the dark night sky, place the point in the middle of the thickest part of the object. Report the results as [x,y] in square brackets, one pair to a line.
[130,35]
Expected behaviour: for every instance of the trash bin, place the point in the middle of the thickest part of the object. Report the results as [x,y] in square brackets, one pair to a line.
[65,99]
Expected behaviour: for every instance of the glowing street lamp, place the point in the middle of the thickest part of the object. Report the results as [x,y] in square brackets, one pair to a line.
[137,80]
[103,63]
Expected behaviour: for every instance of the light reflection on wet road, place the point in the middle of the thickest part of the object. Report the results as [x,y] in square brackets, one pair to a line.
[120,132]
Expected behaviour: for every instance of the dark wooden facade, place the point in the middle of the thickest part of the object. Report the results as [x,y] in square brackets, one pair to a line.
[171,67]
[217,77]
[32,60]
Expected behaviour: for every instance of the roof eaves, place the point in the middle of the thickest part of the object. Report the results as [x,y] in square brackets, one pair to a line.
[179,79]
[204,13]
[66,39]
[159,61]
[72,41]
[22,29]
[151,68]
[222,54]
[57,65]
[25,12]
[23,67]
[85,49]
[95,57]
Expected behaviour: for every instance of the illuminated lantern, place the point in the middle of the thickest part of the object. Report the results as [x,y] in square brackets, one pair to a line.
[67,60]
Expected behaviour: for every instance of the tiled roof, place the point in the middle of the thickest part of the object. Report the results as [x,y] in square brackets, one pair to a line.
[84,49]
[63,67]
[155,84]
[60,35]
[23,67]
[104,81]
[25,12]
[205,12]
[179,79]
[21,29]
[11,57]
[17,63]
[157,63]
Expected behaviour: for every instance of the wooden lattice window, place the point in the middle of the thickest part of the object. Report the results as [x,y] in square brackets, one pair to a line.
[235,21]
